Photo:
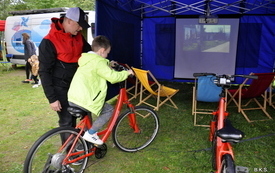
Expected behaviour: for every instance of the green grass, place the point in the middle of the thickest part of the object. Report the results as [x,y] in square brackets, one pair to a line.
[179,146]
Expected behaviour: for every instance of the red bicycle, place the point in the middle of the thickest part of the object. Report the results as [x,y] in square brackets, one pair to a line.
[131,131]
[222,133]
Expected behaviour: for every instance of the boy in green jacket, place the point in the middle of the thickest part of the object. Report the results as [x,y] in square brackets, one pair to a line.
[88,88]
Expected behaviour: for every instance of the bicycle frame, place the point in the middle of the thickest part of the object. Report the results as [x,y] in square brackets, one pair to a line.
[222,133]
[86,123]
[222,147]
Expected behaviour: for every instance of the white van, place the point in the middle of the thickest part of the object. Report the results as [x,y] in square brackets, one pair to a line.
[37,24]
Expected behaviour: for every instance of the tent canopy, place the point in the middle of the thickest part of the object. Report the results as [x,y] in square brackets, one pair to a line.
[2,25]
[143,31]
[154,8]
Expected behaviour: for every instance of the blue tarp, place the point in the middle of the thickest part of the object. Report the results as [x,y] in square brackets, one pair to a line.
[143,32]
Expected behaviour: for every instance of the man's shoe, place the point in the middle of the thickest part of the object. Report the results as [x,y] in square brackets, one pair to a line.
[26,81]
[92,138]
[79,147]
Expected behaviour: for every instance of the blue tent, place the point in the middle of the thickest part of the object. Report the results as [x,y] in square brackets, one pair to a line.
[143,31]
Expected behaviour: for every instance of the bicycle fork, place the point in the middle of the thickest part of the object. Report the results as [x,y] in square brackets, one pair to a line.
[132,119]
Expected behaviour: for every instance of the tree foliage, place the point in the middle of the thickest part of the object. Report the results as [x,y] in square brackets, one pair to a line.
[17,5]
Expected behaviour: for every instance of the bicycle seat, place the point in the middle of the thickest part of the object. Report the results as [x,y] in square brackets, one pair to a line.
[229,133]
[76,112]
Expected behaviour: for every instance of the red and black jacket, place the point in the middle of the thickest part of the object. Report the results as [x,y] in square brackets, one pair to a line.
[58,56]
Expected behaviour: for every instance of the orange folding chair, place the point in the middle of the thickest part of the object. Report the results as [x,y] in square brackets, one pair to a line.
[162,93]
[133,83]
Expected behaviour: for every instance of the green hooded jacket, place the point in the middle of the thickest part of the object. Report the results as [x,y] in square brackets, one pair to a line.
[88,88]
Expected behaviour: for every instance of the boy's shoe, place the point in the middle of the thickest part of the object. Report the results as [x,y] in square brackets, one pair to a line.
[92,138]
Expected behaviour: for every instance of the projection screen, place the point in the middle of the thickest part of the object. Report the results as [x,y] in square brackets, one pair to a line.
[207,48]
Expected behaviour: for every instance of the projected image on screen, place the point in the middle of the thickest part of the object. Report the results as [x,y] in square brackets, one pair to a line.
[207,48]
[206,38]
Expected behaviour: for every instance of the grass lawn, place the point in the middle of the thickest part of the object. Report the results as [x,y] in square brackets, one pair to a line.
[179,147]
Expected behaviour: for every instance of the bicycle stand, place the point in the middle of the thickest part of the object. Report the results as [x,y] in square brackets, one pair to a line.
[241,169]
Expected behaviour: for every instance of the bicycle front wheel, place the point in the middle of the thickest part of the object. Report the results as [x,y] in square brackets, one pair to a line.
[228,165]
[48,153]
[127,138]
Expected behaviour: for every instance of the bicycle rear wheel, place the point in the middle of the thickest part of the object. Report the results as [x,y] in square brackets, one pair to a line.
[124,136]
[46,154]
[228,165]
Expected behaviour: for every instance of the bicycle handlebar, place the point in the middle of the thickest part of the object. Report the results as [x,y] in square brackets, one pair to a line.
[246,76]
[119,67]
[225,76]
[203,74]
[224,80]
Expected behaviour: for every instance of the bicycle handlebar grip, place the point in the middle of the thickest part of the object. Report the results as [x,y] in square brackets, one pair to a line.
[203,74]
[249,76]
[252,77]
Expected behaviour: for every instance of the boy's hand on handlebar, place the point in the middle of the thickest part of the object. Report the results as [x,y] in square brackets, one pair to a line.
[113,63]
[130,72]
[118,67]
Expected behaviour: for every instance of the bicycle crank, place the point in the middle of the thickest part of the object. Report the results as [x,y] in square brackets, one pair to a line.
[100,151]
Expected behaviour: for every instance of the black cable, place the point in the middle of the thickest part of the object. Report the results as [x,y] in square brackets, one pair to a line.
[245,140]
[258,137]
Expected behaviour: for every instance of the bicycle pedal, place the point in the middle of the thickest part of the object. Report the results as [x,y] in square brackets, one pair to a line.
[99,146]
[241,169]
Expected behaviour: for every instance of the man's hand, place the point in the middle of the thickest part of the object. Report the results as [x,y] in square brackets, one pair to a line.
[56,106]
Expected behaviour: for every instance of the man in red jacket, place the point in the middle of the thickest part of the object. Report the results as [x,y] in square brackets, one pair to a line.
[59,52]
